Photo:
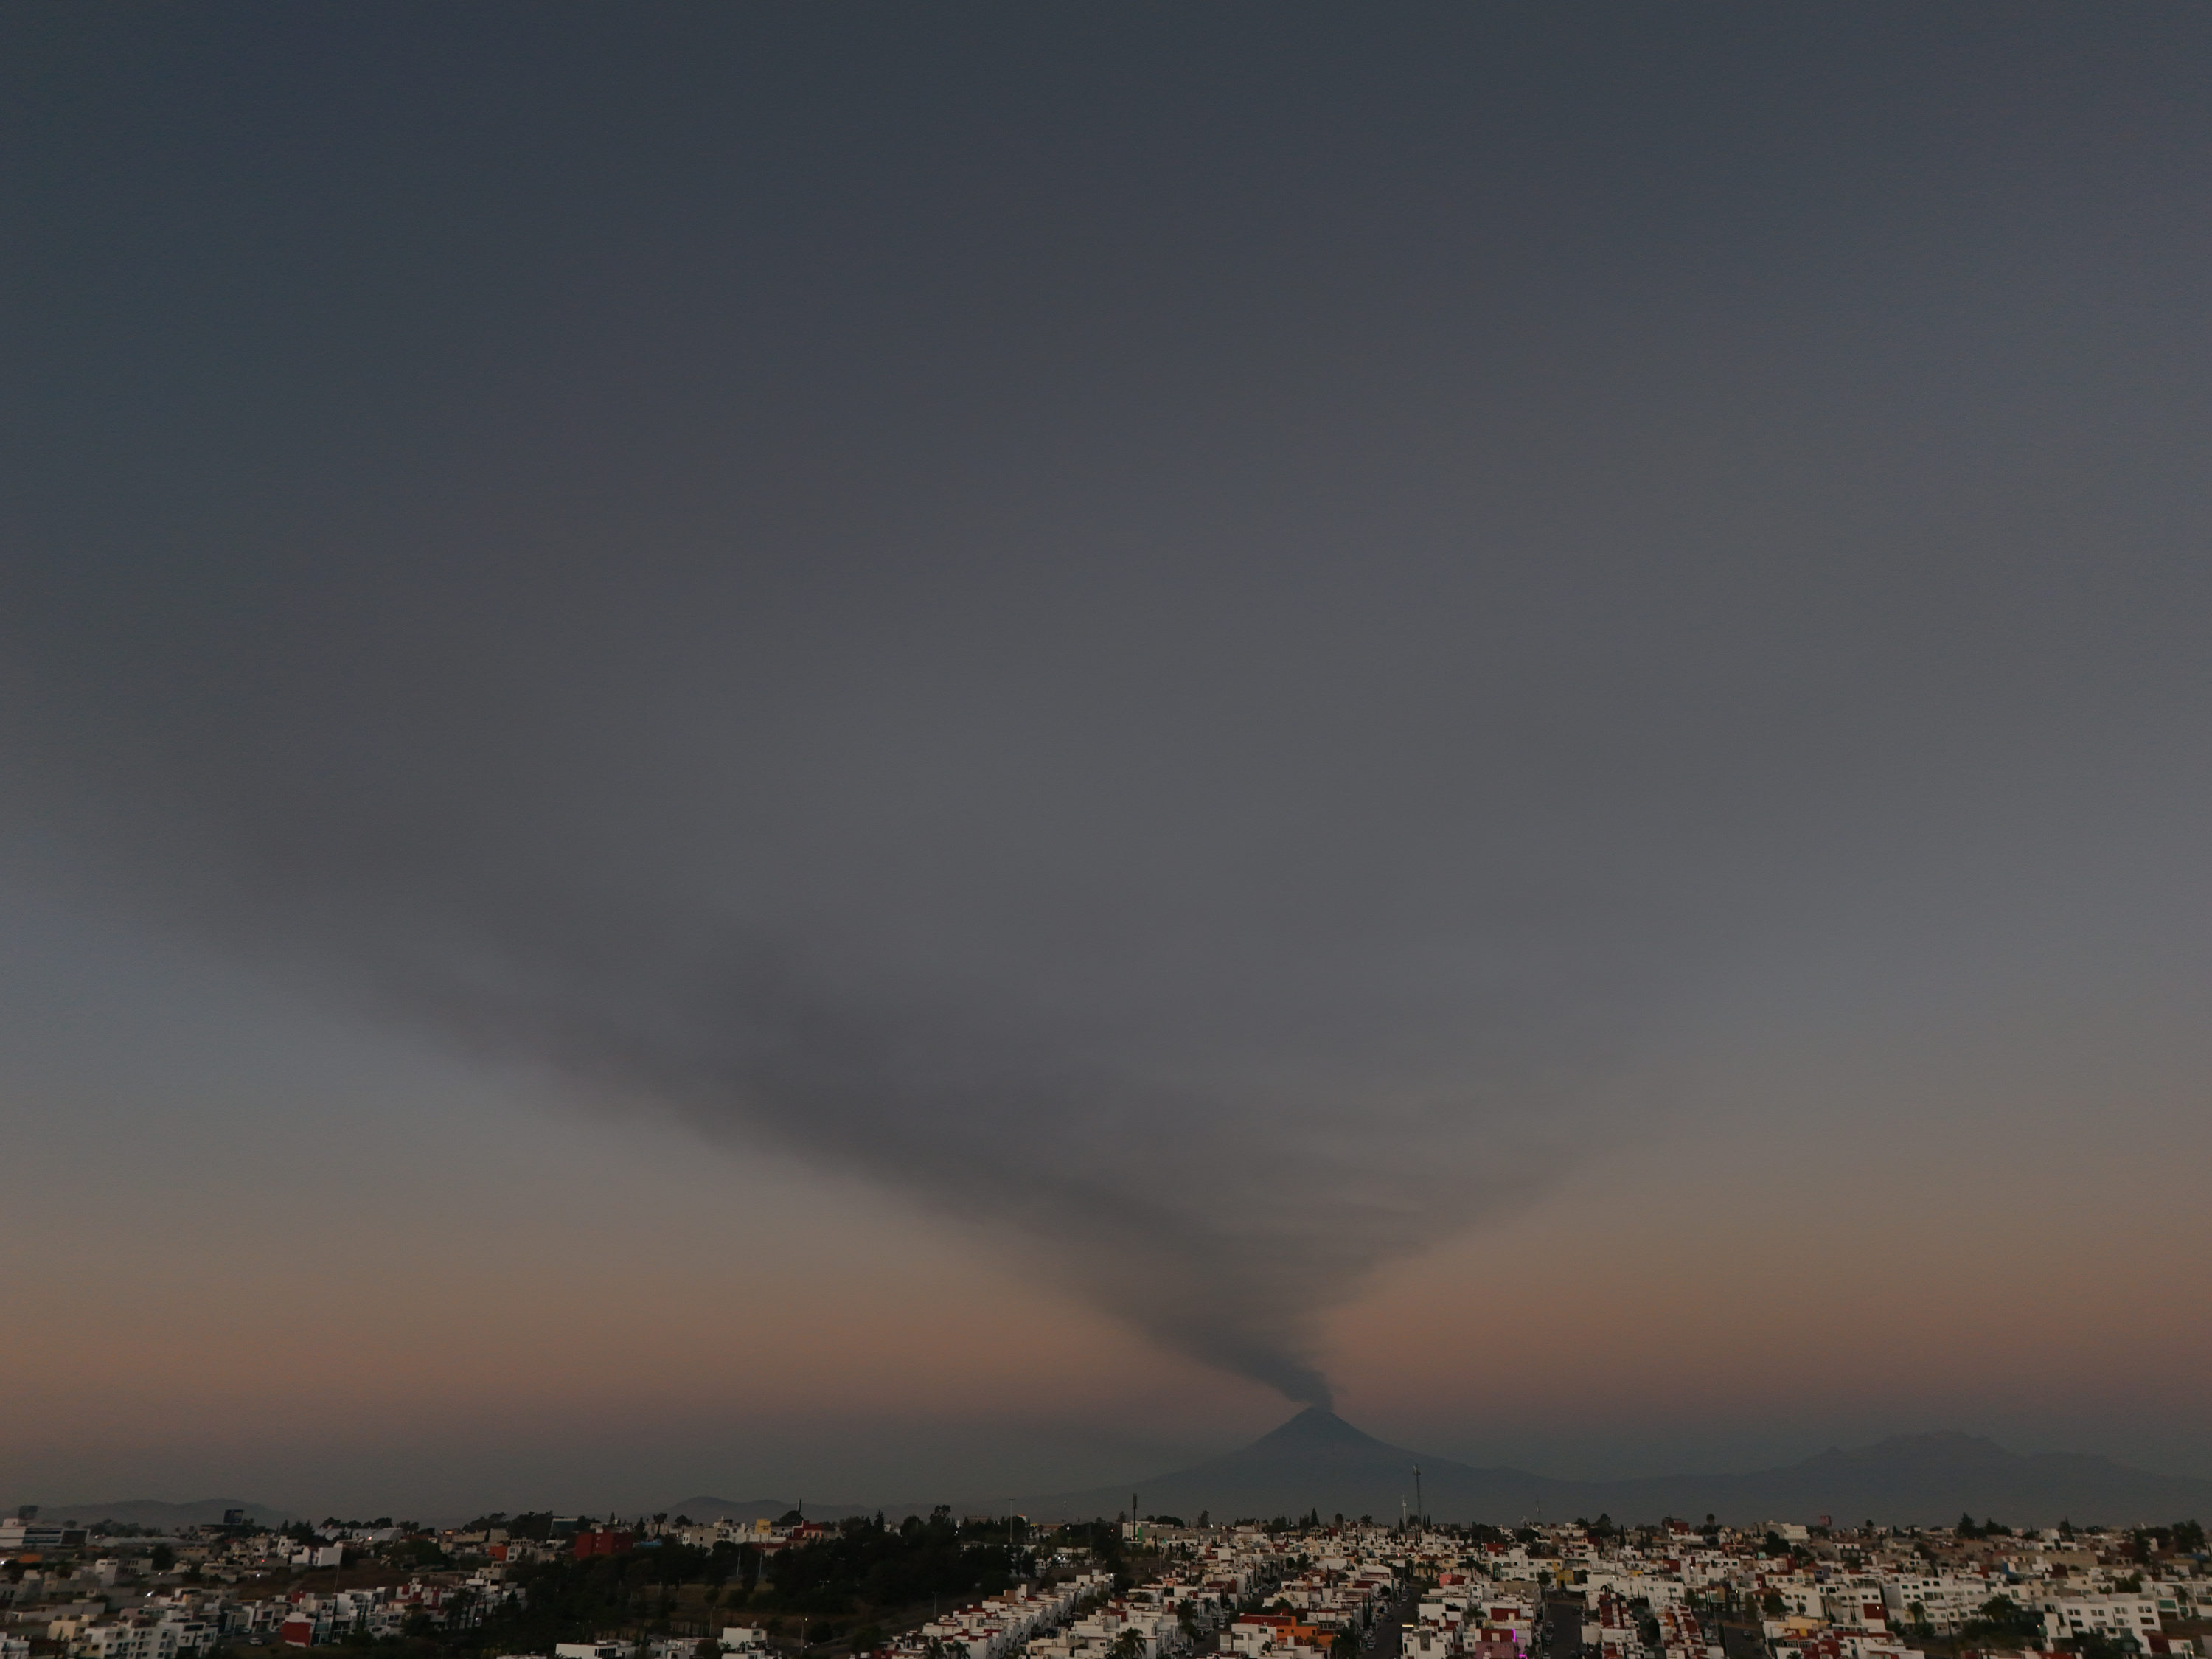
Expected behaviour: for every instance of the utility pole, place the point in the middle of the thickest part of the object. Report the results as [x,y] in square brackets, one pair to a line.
[1419,1514]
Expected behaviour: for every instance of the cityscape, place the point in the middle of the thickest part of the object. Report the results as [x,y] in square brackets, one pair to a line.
[1155,1587]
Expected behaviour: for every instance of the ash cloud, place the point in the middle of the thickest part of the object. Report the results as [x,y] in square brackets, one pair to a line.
[1219,1214]
[1206,657]
[1202,1129]
[1193,1011]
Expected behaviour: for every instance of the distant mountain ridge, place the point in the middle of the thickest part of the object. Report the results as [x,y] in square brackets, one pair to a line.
[164,1517]
[1318,1461]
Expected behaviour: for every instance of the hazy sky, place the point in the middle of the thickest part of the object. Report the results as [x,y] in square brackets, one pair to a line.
[854,752]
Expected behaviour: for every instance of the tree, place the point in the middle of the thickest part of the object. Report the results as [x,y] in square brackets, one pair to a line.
[2001,1620]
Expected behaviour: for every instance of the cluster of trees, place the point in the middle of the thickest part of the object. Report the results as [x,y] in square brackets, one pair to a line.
[864,1569]
[570,1600]
[2186,1536]
[2003,1622]
[866,1563]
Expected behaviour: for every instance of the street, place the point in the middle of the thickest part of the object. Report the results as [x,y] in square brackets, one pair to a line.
[1563,1631]
[1387,1640]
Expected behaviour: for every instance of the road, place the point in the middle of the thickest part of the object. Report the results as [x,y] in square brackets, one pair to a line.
[1388,1638]
[1562,1634]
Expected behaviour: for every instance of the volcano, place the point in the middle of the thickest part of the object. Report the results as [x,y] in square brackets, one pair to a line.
[1317,1461]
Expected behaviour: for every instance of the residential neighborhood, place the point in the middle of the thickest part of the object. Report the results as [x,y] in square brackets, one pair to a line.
[1156,1588]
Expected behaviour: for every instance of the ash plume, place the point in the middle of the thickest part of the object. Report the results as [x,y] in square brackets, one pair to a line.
[1213,1035]
[1219,1215]
[1211,653]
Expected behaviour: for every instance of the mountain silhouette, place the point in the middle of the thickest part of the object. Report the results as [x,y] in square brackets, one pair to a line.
[164,1517]
[1314,1460]
[1317,1461]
